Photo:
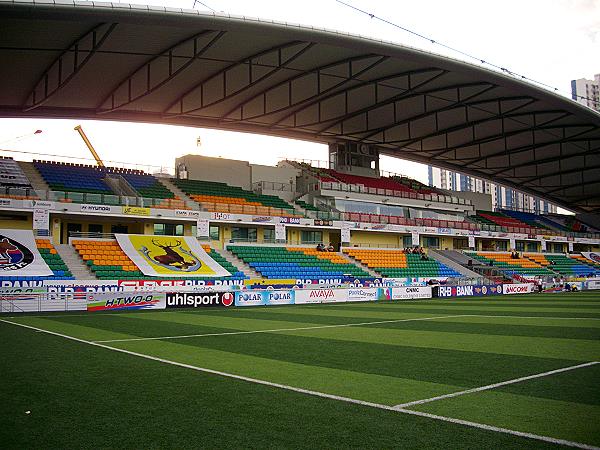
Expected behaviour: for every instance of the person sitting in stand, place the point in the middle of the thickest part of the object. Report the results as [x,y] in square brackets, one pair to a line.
[330,248]
[320,247]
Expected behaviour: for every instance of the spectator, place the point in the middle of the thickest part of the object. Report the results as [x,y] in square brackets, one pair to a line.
[330,248]
[320,247]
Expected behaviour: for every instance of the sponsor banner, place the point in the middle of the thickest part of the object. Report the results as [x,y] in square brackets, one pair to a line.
[444,231]
[415,238]
[280,232]
[322,223]
[22,290]
[169,256]
[345,234]
[202,227]
[136,211]
[543,247]
[125,300]
[592,284]
[262,219]
[290,220]
[264,298]
[39,204]
[186,213]
[199,299]
[221,216]
[308,296]
[262,283]
[471,241]
[41,219]
[19,255]
[410,292]
[467,291]
[181,284]
[362,295]
[521,288]
[280,298]
[251,298]
[6,203]
[97,209]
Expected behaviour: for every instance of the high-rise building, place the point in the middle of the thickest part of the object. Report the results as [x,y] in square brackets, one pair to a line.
[502,197]
[587,92]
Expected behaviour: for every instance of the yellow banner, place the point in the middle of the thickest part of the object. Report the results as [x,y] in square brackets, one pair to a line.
[136,211]
[179,256]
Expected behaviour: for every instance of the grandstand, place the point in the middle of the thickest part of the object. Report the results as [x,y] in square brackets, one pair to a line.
[296,262]
[108,261]
[398,264]
[511,266]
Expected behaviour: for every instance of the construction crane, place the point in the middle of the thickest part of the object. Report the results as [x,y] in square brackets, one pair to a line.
[89,145]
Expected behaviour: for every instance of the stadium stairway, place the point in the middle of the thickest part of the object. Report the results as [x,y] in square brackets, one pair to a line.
[179,193]
[237,262]
[75,264]
[358,263]
[452,259]
[36,180]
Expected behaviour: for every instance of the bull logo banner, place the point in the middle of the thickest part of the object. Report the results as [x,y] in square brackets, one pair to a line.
[172,256]
[19,255]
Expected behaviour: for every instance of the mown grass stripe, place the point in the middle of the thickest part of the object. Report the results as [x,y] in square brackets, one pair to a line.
[323,395]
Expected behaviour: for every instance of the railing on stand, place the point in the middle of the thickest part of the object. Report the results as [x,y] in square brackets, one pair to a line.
[39,302]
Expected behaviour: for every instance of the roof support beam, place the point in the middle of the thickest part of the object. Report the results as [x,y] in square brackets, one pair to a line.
[560,172]
[411,90]
[460,104]
[297,49]
[536,145]
[351,76]
[67,65]
[152,74]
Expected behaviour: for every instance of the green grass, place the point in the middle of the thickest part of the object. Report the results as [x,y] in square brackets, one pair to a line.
[81,395]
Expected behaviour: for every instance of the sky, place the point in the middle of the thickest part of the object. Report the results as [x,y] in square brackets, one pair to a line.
[550,41]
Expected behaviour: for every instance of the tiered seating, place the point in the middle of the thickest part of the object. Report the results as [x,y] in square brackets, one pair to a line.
[584,260]
[149,186]
[11,174]
[108,261]
[306,206]
[210,194]
[533,220]
[503,261]
[571,267]
[415,185]
[296,262]
[54,261]
[375,183]
[397,264]
[503,220]
[73,177]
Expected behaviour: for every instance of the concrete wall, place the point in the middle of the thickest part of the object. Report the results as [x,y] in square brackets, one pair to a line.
[230,171]
[480,201]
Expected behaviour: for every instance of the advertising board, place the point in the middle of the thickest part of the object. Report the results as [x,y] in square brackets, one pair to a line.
[264,298]
[121,300]
[520,288]
[592,284]
[411,292]
[362,294]
[467,291]
[308,296]
[199,299]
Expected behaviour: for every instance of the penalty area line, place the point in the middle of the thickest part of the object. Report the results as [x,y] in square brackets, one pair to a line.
[495,385]
[466,423]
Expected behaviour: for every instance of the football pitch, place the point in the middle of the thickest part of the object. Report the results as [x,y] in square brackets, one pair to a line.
[506,372]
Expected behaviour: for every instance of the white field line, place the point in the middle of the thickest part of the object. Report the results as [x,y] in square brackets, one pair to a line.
[495,385]
[317,327]
[466,423]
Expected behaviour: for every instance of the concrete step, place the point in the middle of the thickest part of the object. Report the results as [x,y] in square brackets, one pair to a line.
[74,262]
[179,193]
[237,262]
[454,260]
[357,263]
[36,180]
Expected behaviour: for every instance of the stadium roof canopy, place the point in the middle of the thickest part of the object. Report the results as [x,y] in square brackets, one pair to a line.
[114,61]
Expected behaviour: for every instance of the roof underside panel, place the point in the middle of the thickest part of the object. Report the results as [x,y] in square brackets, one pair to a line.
[147,64]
